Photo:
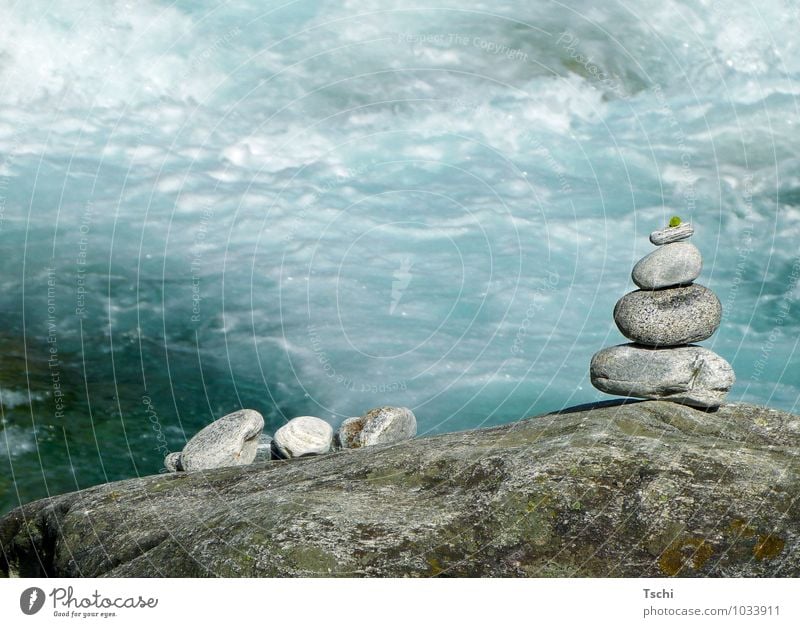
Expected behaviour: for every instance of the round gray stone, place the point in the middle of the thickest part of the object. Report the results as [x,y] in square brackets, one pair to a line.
[669,265]
[230,441]
[691,375]
[668,317]
[382,425]
[672,234]
[172,462]
[304,435]
[347,435]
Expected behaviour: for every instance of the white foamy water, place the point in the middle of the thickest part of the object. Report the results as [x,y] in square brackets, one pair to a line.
[320,207]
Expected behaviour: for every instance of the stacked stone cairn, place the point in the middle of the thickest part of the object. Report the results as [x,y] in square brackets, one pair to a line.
[238,439]
[663,319]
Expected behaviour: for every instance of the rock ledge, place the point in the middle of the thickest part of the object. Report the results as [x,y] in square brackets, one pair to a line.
[627,489]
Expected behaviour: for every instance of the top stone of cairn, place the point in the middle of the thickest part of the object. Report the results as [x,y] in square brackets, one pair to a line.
[675,232]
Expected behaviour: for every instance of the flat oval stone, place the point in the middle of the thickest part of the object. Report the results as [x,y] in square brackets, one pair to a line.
[668,317]
[230,441]
[690,375]
[304,435]
[382,425]
[669,265]
[672,234]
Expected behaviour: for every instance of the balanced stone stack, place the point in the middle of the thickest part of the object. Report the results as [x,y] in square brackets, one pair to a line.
[663,318]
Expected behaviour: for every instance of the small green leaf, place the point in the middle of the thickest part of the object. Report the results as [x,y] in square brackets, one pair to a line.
[674,221]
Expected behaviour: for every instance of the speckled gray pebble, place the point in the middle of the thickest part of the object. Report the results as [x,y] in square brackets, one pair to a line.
[668,317]
[264,449]
[382,425]
[690,375]
[172,462]
[672,234]
[304,435]
[673,264]
[230,441]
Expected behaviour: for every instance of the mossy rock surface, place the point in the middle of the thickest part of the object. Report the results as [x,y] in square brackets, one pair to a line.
[613,490]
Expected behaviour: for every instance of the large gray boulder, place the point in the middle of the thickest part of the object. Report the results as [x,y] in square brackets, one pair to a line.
[692,375]
[643,489]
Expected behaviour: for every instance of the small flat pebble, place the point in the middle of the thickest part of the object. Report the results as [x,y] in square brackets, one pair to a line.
[672,234]
[690,375]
